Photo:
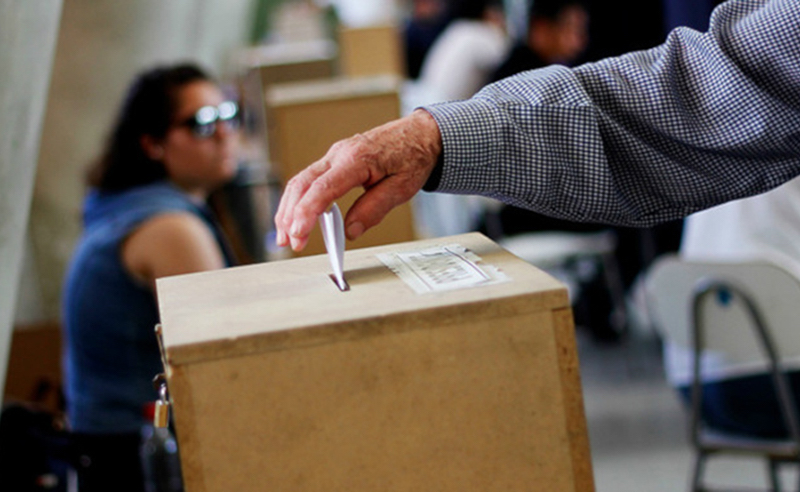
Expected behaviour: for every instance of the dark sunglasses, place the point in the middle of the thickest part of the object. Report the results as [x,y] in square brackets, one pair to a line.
[204,122]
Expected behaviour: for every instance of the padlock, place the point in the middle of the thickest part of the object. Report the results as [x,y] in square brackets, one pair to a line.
[161,415]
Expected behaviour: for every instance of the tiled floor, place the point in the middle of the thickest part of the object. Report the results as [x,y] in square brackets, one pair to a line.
[638,428]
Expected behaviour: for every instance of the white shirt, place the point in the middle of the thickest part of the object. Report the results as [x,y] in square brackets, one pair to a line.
[462,59]
[766,228]
[458,65]
[763,227]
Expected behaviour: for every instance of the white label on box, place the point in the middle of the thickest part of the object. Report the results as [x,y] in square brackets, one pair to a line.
[441,268]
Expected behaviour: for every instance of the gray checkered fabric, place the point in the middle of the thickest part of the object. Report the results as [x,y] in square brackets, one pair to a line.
[642,138]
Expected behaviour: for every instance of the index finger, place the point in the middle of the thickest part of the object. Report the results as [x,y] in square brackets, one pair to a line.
[292,193]
[314,190]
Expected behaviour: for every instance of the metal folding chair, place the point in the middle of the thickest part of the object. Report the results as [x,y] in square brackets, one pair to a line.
[747,313]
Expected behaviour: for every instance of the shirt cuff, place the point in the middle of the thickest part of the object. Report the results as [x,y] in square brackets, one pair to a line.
[471,144]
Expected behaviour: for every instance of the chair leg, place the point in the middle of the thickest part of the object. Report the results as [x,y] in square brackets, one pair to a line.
[613,278]
[774,479]
[798,475]
[697,474]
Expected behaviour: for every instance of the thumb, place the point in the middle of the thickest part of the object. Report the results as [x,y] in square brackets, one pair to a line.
[374,205]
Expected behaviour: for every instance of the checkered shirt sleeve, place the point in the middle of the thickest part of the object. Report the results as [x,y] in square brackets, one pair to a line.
[642,138]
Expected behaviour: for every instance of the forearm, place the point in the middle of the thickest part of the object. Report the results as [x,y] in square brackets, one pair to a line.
[642,138]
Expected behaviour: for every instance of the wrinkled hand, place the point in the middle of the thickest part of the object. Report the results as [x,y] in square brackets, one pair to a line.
[391,162]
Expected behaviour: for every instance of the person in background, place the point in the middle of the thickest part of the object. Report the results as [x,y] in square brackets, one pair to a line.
[766,229]
[558,32]
[145,217]
[463,57]
[639,247]
[427,20]
[456,67]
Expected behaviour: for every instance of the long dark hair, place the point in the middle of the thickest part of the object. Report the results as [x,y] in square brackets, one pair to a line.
[551,9]
[148,109]
[471,9]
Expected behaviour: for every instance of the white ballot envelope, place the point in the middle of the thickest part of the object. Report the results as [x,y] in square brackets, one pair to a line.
[332,226]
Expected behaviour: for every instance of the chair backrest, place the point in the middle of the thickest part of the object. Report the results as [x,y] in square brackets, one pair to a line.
[671,286]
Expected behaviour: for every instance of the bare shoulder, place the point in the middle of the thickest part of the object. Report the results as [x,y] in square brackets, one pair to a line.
[172,226]
[171,244]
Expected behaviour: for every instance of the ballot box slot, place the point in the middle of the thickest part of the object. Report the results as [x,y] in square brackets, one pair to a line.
[344,287]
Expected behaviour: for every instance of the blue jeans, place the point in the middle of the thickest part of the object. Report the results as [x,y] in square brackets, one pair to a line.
[746,405]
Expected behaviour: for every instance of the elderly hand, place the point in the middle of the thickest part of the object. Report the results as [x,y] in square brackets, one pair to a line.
[391,162]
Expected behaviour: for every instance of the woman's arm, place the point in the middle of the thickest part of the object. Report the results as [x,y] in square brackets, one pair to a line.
[170,244]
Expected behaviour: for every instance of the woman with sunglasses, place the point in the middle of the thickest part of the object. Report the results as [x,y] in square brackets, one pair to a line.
[145,217]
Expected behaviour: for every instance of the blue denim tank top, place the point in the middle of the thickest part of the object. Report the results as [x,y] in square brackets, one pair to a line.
[111,352]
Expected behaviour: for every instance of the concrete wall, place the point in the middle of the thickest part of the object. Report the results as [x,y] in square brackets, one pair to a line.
[28,31]
[102,44]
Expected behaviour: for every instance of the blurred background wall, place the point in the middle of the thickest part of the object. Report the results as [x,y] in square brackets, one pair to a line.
[27,41]
[101,45]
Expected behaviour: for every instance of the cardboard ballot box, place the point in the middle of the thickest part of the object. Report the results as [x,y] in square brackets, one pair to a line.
[374,50]
[291,62]
[449,365]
